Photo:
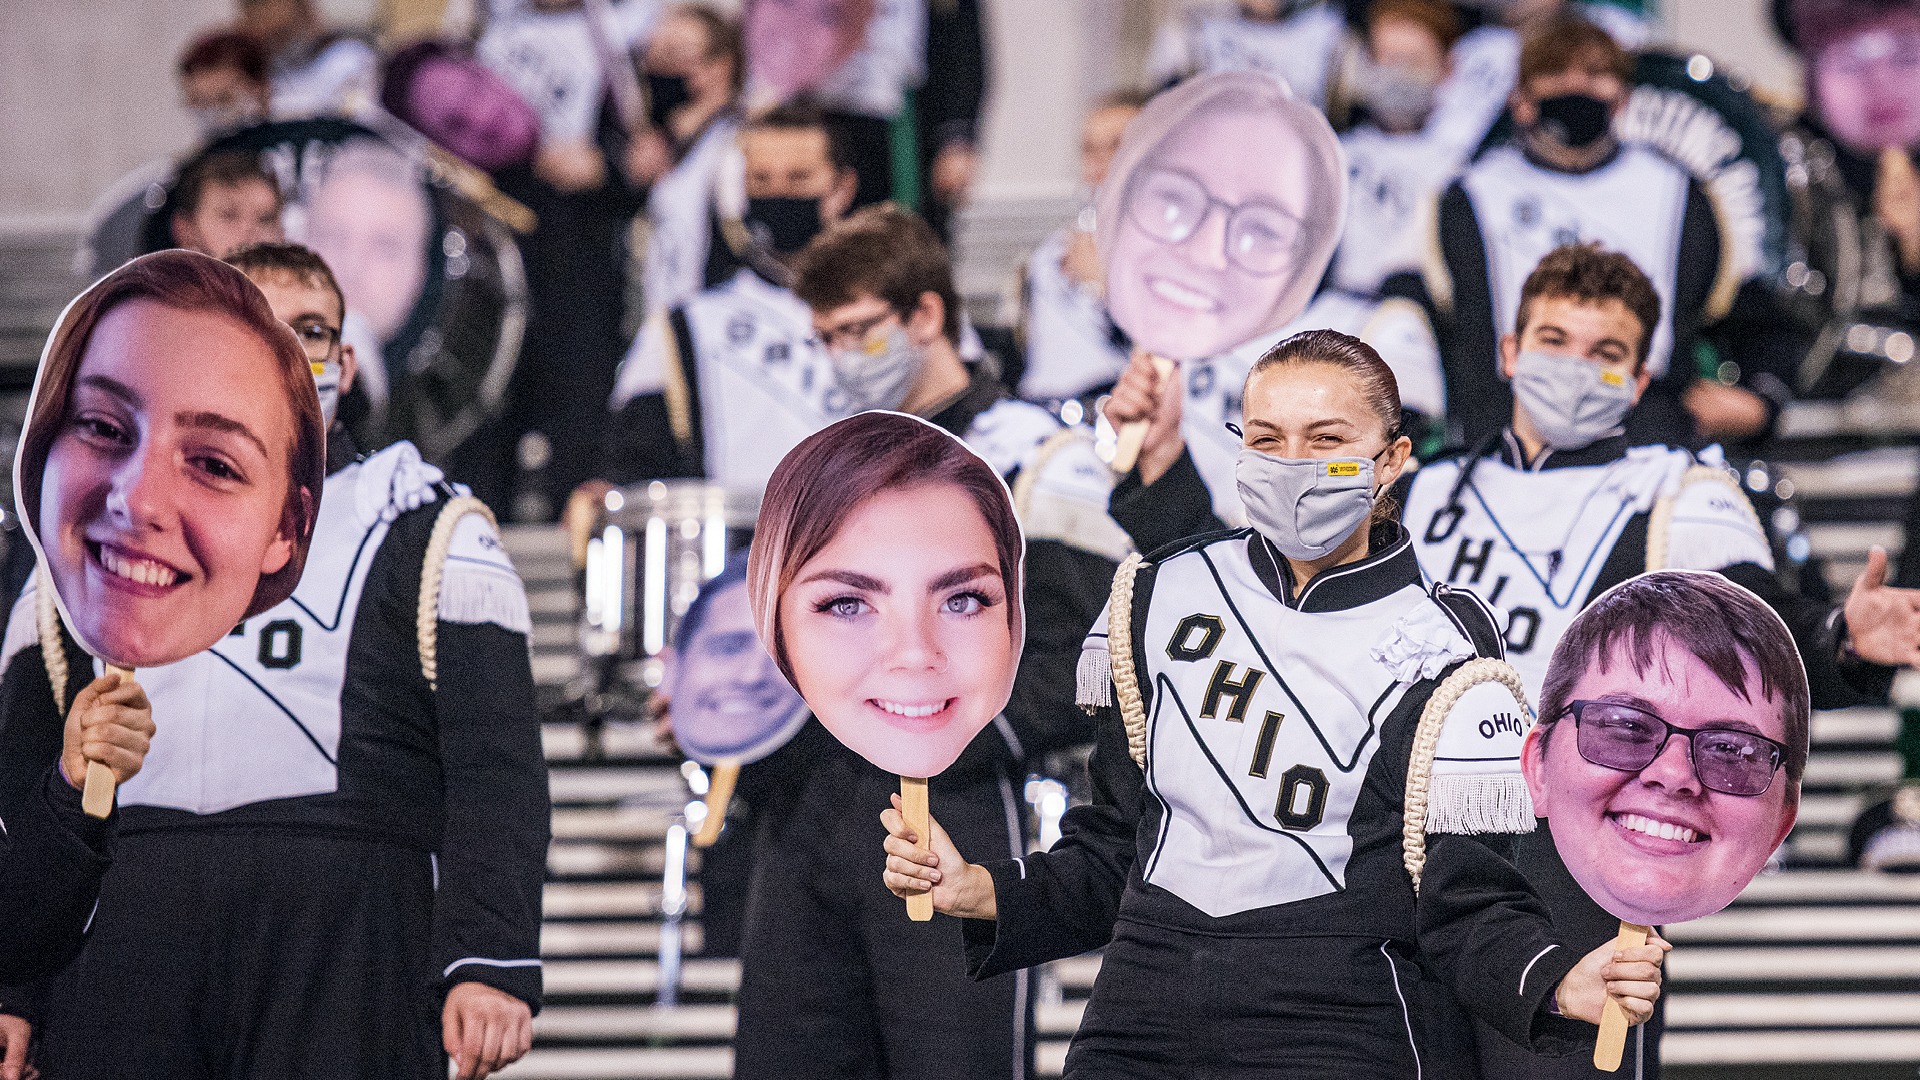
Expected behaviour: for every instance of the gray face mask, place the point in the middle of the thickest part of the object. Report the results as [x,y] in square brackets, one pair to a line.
[880,374]
[326,380]
[1572,402]
[1306,506]
[1397,99]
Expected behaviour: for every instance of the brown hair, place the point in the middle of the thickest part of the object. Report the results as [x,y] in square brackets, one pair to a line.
[228,168]
[882,251]
[1565,41]
[724,37]
[833,472]
[1127,97]
[1723,625]
[1590,274]
[225,48]
[296,261]
[1436,18]
[185,281]
[1359,361]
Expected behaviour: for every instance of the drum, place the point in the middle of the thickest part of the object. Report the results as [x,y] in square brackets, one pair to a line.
[436,296]
[659,543]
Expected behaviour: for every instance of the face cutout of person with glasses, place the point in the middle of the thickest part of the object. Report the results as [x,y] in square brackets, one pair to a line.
[1219,215]
[1672,735]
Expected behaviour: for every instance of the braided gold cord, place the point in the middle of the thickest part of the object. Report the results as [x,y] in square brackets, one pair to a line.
[52,652]
[1126,681]
[1426,742]
[1029,477]
[431,572]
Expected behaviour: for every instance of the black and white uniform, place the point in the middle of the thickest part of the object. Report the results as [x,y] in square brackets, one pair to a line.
[335,75]
[1248,881]
[836,982]
[1507,211]
[52,857]
[1300,48]
[551,59]
[321,842]
[1073,347]
[1393,181]
[680,211]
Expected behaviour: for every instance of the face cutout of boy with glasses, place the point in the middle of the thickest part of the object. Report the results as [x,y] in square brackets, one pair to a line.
[1672,737]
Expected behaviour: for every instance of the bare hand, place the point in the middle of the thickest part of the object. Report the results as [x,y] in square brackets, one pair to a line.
[14,1033]
[1629,976]
[1142,395]
[1725,412]
[959,888]
[571,166]
[1896,202]
[1081,263]
[953,171]
[648,157]
[111,723]
[1883,623]
[484,1029]
[582,517]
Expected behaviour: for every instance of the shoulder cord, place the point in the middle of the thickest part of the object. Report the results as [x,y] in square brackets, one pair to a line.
[1126,681]
[1660,521]
[431,571]
[1029,477]
[1426,742]
[53,650]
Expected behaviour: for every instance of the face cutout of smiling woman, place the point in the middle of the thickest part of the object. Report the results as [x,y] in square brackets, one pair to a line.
[885,582]
[1219,215]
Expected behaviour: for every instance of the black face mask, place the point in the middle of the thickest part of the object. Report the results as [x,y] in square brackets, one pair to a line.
[665,93]
[785,225]
[1575,121]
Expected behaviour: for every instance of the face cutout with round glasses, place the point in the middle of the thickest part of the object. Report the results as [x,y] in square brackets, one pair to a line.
[1664,776]
[1219,214]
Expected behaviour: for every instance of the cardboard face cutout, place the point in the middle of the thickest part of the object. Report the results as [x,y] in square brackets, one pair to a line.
[1656,824]
[794,45]
[172,460]
[885,580]
[730,702]
[1219,214]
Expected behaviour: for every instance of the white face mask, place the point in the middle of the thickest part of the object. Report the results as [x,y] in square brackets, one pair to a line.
[1397,99]
[880,373]
[326,380]
[1572,402]
[1307,507]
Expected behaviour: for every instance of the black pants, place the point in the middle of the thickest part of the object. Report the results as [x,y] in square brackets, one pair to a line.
[222,954]
[1169,1004]
[837,983]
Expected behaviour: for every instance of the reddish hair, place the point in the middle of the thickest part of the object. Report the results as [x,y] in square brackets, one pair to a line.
[185,281]
[226,48]
[834,472]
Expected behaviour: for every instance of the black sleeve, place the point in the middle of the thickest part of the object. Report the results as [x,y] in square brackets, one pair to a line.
[956,73]
[1693,281]
[52,857]
[1063,901]
[640,444]
[1836,677]
[1479,399]
[1906,570]
[1174,507]
[493,856]
[1766,344]
[1065,588]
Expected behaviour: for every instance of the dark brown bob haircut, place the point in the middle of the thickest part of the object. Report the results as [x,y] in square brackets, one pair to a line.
[834,472]
[1590,274]
[296,261]
[226,49]
[882,251]
[1568,41]
[186,281]
[1723,625]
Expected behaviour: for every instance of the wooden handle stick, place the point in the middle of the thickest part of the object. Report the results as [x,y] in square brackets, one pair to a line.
[97,797]
[1126,447]
[913,807]
[1613,1018]
[719,792]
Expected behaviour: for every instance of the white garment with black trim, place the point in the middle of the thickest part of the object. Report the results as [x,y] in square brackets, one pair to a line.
[680,210]
[1393,182]
[1072,343]
[550,58]
[1300,48]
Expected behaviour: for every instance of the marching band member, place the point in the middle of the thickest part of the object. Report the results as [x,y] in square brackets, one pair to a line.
[1294,40]
[1245,862]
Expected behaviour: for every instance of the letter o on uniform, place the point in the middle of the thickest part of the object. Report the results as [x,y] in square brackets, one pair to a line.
[1183,646]
[280,644]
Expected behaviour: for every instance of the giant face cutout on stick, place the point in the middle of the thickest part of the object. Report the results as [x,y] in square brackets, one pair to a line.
[172,460]
[885,580]
[1672,734]
[794,45]
[730,704]
[1219,214]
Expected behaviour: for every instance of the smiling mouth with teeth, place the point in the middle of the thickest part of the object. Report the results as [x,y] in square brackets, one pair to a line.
[920,715]
[137,570]
[1662,830]
[1181,295]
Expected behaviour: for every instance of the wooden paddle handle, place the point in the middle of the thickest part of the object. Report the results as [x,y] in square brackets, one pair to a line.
[913,807]
[96,799]
[1613,1019]
[1126,447]
[720,783]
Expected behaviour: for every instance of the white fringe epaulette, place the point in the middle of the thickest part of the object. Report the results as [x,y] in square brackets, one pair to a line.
[1476,805]
[478,583]
[1424,643]
[1463,772]
[1093,675]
